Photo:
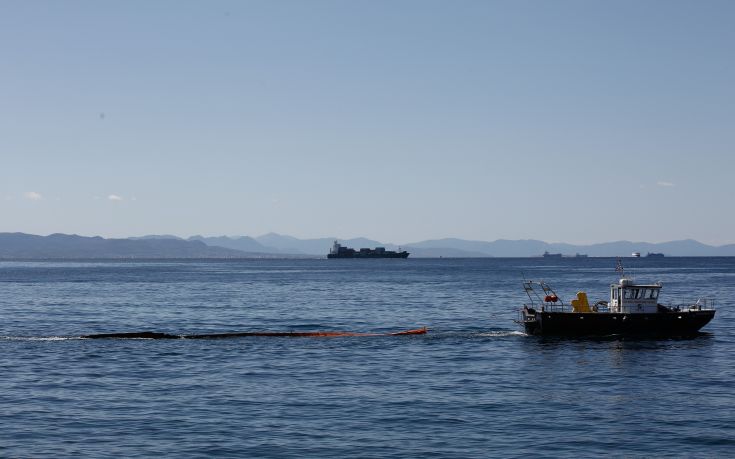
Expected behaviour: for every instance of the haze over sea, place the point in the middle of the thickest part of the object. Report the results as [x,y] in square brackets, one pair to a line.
[475,386]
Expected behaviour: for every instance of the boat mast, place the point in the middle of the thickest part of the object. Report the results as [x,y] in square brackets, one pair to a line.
[619,267]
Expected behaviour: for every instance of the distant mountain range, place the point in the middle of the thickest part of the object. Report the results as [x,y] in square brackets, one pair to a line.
[64,246]
[272,245]
[532,248]
[276,243]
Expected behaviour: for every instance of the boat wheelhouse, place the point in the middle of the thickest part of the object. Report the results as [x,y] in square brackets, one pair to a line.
[627,297]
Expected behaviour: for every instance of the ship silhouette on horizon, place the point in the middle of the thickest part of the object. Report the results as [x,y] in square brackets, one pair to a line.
[338,251]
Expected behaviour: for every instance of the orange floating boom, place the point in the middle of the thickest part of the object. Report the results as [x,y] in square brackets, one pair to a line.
[291,334]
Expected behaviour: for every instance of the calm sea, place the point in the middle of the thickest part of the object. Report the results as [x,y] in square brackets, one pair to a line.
[475,386]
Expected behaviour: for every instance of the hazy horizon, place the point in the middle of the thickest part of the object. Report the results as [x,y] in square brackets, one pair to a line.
[339,238]
[570,121]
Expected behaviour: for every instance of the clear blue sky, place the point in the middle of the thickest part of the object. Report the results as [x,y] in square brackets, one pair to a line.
[573,121]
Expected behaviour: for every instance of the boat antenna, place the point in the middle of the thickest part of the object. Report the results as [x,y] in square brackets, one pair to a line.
[619,267]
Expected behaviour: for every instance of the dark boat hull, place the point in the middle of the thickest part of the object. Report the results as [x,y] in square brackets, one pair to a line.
[370,255]
[275,334]
[680,323]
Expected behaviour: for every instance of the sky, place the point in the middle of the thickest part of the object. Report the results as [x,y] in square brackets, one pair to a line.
[564,121]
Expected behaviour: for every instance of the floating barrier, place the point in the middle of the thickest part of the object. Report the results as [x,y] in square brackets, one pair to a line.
[291,334]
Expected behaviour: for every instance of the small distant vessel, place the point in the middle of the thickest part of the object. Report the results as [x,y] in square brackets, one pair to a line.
[338,251]
[635,254]
[580,255]
[654,255]
[551,255]
[633,309]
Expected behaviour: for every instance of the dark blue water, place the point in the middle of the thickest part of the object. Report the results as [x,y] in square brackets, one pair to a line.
[473,387]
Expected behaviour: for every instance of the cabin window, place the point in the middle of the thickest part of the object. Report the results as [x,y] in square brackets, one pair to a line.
[654,293]
[627,293]
[615,294]
[643,293]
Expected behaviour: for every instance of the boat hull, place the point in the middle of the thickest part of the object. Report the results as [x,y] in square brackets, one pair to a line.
[370,255]
[681,323]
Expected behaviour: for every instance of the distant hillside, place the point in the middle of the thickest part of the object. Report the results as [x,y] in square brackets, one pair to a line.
[55,246]
[499,248]
[155,236]
[289,245]
[441,252]
[320,246]
[243,243]
[457,248]
[534,248]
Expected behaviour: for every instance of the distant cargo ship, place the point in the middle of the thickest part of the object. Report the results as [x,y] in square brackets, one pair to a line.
[378,252]
[551,255]
[654,255]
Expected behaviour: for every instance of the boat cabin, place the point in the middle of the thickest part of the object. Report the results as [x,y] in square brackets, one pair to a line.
[628,297]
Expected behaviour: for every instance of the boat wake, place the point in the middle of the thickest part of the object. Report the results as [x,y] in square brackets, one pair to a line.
[39,338]
[502,333]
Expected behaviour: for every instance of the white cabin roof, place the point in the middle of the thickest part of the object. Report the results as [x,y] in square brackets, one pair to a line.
[629,283]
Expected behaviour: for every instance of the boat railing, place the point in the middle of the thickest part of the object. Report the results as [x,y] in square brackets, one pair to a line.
[523,318]
[550,307]
[702,304]
[554,307]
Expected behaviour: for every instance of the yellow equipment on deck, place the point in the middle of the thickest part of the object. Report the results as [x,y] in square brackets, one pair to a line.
[580,304]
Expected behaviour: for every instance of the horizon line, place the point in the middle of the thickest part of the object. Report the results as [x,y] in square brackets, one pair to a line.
[169,235]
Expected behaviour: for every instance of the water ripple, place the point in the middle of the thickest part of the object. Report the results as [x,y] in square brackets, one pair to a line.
[474,386]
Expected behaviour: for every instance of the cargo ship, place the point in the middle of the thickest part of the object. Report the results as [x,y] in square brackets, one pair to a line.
[378,252]
[633,309]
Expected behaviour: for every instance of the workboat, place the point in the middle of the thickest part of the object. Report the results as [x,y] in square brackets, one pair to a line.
[633,309]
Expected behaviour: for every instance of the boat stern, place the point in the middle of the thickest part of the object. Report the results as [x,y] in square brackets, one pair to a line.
[530,320]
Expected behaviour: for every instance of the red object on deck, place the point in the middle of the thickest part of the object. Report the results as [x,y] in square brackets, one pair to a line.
[551,298]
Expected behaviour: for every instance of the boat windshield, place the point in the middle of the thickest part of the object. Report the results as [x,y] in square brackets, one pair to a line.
[640,293]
